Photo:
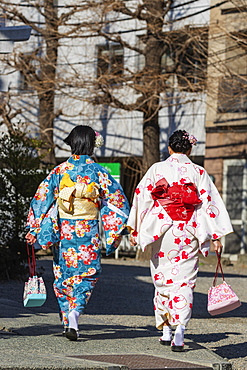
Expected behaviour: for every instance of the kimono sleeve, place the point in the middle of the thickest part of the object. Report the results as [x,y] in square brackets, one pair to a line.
[142,202]
[212,217]
[114,210]
[148,219]
[42,216]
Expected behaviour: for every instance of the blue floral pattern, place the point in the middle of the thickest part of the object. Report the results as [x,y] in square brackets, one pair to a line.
[76,241]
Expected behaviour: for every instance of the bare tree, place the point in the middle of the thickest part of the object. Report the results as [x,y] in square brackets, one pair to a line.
[172,59]
[164,53]
[39,66]
[43,77]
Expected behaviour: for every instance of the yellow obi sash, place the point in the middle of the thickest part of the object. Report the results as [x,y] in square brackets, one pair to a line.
[77,200]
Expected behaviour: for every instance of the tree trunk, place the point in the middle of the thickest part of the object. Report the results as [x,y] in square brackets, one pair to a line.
[151,139]
[152,70]
[48,83]
[46,109]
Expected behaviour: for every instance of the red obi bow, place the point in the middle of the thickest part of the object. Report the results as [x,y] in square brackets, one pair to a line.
[179,200]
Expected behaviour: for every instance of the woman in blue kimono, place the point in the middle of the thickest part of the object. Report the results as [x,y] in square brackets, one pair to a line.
[65,213]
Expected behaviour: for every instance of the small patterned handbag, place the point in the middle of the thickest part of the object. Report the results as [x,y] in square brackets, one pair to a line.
[34,291]
[221,298]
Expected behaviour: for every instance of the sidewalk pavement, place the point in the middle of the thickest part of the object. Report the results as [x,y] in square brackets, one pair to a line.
[116,332]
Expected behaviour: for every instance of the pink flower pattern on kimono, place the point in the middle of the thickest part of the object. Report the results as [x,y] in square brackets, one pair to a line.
[179,301]
[70,258]
[57,291]
[117,199]
[31,219]
[56,192]
[96,241]
[68,291]
[87,254]
[32,222]
[42,192]
[66,230]
[47,246]
[104,182]
[57,271]
[64,318]
[83,179]
[77,279]
[111,222]
[82,227]
[65,166]
[72,302]
[111,237]
[51,173]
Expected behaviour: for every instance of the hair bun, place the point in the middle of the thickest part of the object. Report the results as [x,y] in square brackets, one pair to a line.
[181,141]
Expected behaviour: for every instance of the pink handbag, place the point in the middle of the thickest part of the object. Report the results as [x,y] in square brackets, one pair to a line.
[221,298]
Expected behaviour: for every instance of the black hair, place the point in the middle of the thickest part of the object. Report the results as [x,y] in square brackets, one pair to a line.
[179,141]
[81,140]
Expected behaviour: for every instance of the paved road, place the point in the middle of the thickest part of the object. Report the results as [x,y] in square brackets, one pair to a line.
[119,320]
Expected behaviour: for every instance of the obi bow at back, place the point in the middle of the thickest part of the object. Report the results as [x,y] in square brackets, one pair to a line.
[78,197]
[178,200]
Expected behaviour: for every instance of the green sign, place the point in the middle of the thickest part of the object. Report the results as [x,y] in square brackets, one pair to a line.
[113,169]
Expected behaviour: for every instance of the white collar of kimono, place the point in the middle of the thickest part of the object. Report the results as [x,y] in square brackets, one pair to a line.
[182,158]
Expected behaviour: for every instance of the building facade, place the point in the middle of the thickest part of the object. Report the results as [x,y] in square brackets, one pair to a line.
[204,98]
[226,116]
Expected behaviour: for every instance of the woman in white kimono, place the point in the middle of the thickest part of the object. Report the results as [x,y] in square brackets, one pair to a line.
[176,211]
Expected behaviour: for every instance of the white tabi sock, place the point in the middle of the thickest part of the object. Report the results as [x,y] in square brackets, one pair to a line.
[167,333]
[179,335]
[73,319]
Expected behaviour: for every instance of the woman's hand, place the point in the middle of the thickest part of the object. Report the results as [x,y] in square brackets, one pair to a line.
[133,242]
[31,239]
[217,246]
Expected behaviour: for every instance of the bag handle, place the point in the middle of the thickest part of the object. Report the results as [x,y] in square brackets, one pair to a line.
[31,259]
[218,267]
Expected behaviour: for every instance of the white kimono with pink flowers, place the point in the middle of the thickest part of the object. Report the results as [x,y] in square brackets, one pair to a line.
[176,211]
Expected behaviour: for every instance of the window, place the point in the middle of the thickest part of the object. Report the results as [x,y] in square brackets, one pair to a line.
[232,93]
[28,69]
[110,61]
[184,58]
[24,81]
[234,195]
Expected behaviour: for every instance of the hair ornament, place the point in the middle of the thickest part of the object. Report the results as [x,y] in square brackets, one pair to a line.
[191,138]
[99,141]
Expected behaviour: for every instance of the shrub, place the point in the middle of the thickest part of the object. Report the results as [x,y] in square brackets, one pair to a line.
[20,174]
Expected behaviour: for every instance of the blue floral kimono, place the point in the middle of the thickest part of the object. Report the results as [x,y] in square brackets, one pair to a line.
[65,213]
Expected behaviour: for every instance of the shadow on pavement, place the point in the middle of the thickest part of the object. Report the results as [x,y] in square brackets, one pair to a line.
[87,331]
[205,338]
[232,351]
[226,274]
[121,290]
